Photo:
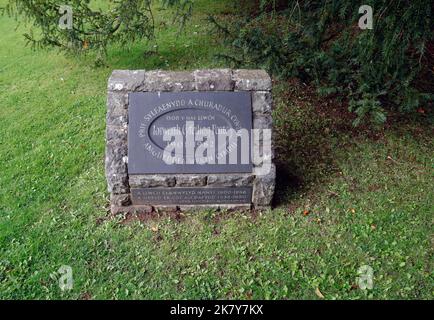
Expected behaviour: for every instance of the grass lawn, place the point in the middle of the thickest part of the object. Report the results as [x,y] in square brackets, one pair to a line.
[346,197]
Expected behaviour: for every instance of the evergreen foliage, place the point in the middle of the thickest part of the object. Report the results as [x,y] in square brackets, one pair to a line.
[316,41]
[320,42]
[121,22]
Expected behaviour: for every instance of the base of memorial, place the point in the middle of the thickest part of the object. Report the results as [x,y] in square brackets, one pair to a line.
[141,105]
[145,209]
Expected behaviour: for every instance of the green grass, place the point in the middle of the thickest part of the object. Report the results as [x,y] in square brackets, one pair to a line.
[369,197]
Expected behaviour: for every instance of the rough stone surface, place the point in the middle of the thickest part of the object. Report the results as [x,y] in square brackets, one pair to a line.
[191,180]
[234,207]
[230,180]
[262,122]
[261,102]
[168,81]
[120,200]
[116,135]
[117,109]
[116,163]
[214,80]
[117,183]
[260,144]
[259,148]
[263,188]
[152,181]
[249,80]
[126,80]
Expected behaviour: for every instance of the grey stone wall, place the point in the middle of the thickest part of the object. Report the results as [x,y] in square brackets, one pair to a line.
[123,82]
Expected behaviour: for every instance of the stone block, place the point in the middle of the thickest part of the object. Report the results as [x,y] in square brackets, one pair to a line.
[174,81]
[132,193]
[214,80]
[262,122]
[152,181]
[126,80]
[117,109]
[263,187]
[191,180]
[252,80]
[194,208]
[230,180]
[261,102]
[116,166]
[120,200]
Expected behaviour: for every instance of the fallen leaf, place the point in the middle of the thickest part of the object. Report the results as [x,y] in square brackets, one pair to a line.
[318,293]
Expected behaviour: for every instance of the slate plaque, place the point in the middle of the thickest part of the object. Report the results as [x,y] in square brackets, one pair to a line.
[152,113]
[190,196]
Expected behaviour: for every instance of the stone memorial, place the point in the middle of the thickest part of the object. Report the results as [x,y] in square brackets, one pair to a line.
[189,140]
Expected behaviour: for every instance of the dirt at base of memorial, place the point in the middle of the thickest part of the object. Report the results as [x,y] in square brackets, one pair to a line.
[347,198]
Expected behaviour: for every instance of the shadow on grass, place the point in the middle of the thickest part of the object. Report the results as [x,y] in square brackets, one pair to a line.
[312,132]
